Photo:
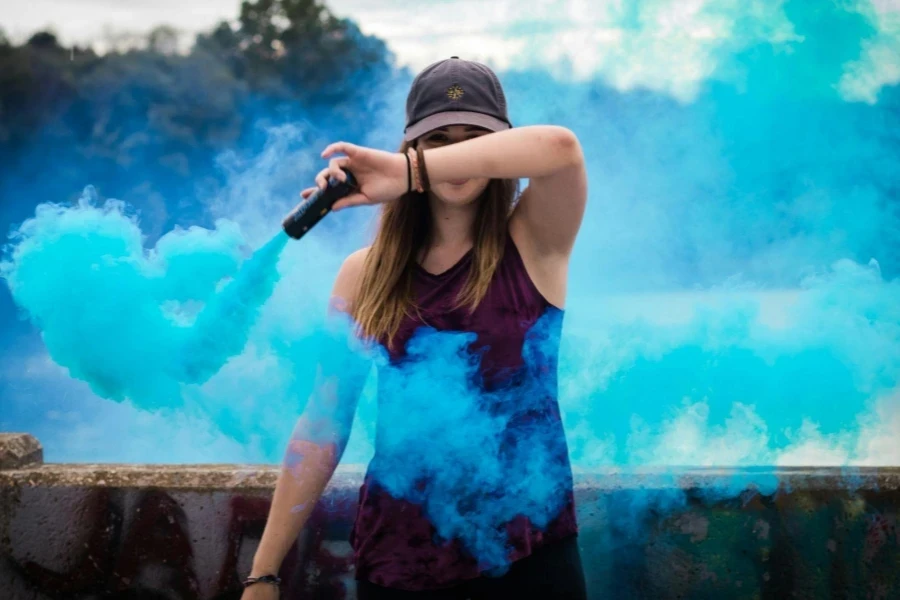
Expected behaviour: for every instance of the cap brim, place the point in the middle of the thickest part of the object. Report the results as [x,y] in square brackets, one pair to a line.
[447,118]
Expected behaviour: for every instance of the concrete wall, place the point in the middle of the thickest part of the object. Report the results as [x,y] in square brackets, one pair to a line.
[178,532]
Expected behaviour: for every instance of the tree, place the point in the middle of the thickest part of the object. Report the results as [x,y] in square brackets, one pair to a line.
[44,40]
[145,123]
[35,83]
[298,48]
[163,39]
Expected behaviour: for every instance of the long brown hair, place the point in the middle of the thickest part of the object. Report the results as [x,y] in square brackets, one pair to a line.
[385,294]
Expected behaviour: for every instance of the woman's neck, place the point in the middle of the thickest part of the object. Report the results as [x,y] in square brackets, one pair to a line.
[452,227]
[452,234]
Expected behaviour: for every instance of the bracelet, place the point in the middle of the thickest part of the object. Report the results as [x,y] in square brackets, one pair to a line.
[423,172]
[408,173]
[415,172]
[273,579]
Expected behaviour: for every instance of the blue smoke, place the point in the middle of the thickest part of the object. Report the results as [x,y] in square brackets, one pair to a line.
[733,298]
[490,456]
[130,323]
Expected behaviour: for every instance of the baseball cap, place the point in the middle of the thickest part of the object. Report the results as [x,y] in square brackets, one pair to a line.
[455,92]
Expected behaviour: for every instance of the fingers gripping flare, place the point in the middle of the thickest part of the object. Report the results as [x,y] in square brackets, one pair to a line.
[362,176]
[333,170]
[382,176]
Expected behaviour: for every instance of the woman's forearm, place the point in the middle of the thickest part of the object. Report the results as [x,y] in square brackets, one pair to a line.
[523,152]
[307,469]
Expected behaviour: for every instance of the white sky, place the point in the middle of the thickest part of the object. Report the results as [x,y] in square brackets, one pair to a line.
[668,46]
[416,40]
[671,50]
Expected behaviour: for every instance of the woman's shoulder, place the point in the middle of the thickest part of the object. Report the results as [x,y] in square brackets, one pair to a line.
[355,261]
[346,286]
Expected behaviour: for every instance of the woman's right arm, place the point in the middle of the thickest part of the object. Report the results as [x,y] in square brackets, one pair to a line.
[318,440]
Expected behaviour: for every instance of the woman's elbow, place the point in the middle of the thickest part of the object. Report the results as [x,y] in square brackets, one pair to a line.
[566,144]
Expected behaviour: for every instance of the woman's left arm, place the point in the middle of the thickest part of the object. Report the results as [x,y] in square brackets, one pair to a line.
[551,208]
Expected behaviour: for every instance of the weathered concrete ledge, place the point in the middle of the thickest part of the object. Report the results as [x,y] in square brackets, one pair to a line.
[189,531]
[19,450]
[200,477]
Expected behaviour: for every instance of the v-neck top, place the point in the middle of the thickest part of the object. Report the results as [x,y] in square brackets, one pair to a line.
[462,263]
[471,469]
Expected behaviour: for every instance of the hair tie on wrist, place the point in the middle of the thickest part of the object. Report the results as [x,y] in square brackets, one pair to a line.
[423,172]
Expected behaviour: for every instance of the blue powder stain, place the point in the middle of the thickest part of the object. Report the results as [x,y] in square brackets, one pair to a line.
[473,459]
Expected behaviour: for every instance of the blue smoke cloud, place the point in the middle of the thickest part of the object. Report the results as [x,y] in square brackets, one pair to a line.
[132,323]
[490,457]
[733,297]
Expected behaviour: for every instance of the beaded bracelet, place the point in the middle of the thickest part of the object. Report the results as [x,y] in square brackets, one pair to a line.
[423,172]
[415,171]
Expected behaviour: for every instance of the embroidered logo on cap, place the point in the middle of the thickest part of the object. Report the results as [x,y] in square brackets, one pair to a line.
[454,92]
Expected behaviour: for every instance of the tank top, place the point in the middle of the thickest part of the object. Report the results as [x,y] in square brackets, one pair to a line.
[516,338]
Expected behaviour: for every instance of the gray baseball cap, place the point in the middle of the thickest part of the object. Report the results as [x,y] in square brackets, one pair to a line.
[455,92]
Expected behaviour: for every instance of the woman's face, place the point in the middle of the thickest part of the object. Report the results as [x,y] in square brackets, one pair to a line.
[463,192]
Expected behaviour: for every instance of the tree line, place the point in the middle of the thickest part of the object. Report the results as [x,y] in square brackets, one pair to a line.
[145,124]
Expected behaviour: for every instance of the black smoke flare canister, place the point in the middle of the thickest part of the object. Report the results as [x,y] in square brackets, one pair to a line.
[313,209]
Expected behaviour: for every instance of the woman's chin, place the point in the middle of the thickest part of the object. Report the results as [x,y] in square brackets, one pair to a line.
[458,195]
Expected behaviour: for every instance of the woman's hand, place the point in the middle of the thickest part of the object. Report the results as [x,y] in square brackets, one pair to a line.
[381,176]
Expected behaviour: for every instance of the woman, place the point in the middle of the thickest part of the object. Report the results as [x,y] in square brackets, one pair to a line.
[454,252]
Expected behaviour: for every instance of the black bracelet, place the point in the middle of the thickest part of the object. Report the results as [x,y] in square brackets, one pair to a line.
[408,173]
[273,579]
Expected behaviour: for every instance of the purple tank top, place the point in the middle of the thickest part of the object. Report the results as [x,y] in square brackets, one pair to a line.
[395,543]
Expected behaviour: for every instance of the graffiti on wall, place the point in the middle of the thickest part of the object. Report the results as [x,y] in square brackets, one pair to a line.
[147,551]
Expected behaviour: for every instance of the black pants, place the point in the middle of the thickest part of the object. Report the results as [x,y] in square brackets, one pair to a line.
[553,571]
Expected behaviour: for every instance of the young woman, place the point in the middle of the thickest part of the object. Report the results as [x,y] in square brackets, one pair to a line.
[455,251]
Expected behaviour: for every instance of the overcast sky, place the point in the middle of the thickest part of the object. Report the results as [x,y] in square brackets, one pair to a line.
[669,46]
[440,27]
